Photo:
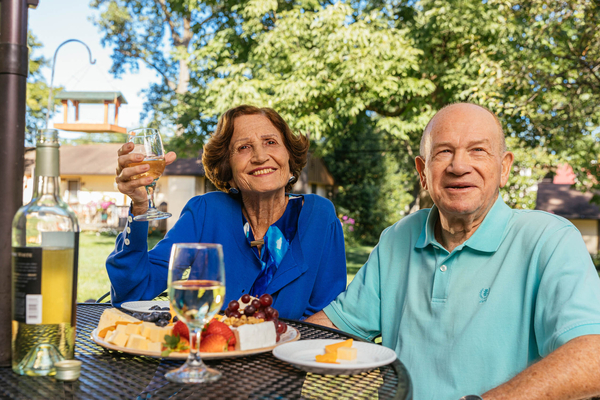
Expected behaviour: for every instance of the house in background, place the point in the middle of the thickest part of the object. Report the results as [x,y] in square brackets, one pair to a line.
[556,195]
[88,184]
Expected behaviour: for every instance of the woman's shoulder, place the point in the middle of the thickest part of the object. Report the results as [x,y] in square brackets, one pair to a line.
[213,199]
[318,208]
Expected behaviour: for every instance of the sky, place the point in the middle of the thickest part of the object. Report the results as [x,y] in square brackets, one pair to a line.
[55,21]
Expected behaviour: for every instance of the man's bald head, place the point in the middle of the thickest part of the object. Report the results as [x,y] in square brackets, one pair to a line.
[466,108]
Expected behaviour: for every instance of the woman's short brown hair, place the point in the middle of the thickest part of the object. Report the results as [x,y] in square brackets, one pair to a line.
[215,157]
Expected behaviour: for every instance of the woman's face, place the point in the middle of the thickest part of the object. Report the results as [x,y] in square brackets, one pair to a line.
[259,159]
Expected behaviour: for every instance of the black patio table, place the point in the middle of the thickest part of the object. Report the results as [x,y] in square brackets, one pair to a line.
[107,374]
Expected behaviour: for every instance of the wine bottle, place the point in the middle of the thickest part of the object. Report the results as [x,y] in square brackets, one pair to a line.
[45,241]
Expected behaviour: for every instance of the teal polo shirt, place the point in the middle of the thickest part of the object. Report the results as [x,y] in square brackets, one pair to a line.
[465,322]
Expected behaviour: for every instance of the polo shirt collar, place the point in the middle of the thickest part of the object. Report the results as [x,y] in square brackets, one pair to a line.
[485,238]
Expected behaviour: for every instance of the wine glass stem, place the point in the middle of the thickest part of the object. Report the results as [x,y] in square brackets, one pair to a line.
[150,193]
[194,356]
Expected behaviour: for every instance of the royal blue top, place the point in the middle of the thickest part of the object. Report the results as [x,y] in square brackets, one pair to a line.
[310,276]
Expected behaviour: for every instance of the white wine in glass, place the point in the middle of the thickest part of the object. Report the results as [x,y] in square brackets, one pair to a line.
[149,143]
[196,292]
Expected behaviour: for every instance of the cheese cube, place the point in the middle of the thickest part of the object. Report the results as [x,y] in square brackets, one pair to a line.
[133,328]
[346,353]
[118,338]
[122,328]
[255,336]
[137,342]
[145,329]
[155,346]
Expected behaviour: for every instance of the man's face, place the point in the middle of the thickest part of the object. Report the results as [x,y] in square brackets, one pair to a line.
[464,166]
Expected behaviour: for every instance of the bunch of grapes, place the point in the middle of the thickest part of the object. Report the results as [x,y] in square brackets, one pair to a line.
[257,308]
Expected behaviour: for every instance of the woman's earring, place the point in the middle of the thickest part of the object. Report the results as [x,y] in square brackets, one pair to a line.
[233,190]
[292,179]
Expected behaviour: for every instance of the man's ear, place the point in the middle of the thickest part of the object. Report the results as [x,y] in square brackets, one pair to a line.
[420,165]
[507,161]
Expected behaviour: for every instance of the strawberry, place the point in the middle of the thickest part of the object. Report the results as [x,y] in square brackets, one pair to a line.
[213,344]
[230,348]
[215,327]
[181,329]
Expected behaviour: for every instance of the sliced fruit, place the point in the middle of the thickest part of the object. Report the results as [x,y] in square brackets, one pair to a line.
[213,344]
[181,329]
[219,328]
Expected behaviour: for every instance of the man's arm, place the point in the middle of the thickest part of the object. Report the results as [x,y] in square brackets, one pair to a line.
[570,372]
[321,318]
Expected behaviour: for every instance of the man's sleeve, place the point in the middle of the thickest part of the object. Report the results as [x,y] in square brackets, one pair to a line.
[568,299]
[358,309]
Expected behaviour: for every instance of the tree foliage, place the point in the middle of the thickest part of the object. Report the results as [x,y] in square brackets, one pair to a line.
[37,92]
[359,76]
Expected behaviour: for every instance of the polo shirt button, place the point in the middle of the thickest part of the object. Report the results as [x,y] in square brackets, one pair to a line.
[435,247]
[128,230]
[129,218]
[443,268]
[126,242]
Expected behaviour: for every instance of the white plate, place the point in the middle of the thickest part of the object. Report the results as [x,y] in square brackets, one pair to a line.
[302,355]
[290,335]
[144,306]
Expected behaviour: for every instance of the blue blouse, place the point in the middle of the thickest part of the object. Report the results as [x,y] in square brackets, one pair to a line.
[311,273]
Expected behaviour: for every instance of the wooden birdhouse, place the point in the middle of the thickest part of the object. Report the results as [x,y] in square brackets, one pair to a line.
[106,98]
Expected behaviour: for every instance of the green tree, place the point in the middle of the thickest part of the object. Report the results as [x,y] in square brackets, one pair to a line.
[37,92]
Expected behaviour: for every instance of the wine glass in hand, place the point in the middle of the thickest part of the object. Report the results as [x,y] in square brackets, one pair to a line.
[196,292]
[149,143]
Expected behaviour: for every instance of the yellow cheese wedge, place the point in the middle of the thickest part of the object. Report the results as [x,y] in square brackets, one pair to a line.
[137,342]
[111,316]
[106,332]
[332,348]
[154,346]
[118,338]
[346,353]
[327,358]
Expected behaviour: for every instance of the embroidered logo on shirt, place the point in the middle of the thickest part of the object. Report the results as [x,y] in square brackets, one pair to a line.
[483,295]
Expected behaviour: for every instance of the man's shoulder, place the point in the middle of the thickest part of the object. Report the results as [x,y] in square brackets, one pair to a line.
[538,219]
[411,224]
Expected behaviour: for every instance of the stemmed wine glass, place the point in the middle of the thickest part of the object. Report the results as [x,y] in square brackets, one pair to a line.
[149,143]
[196,292]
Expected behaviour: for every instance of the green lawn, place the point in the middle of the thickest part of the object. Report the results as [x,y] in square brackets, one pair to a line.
[93,249]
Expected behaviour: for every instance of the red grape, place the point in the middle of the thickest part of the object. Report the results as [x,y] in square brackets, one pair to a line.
[235,314]
[246,298]
[233,305]
[281,327]
[268,311]
[275,314]
[260,315]
[249,310]
[227,312]
[256,304]
[266,300]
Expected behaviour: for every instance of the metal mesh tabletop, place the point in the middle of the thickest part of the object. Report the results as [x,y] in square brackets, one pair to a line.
[112,374]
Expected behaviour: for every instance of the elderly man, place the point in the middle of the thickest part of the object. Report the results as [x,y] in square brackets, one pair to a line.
[477,298]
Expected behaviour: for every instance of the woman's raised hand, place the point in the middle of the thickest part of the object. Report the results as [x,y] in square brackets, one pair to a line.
[135,188]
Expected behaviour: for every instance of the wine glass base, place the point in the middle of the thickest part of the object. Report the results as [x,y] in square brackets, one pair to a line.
[187,374]
[152,216]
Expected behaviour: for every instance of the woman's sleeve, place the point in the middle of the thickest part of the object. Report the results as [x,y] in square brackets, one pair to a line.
[135,273]
[331,276]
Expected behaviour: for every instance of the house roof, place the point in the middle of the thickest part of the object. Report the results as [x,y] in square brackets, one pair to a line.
[91,97]
[561,199]
[101,159]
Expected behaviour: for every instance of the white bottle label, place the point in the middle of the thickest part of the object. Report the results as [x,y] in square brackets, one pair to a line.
[33,309]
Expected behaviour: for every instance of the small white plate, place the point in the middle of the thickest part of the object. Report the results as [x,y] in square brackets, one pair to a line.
[144,306]
[302,354]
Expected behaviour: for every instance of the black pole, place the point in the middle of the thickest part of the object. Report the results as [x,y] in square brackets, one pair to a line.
[13,85]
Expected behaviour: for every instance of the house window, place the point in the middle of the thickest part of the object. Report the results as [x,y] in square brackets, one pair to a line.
[72,189]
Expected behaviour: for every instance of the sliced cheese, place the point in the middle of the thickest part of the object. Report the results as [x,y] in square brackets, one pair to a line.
[137,342]
[346,353]
[326,358]
[122,328]
[255,336]
[111,316]
[332,348]
[133,328]
[118,338]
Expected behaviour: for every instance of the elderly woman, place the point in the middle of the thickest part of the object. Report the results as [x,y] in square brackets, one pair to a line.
[290,246]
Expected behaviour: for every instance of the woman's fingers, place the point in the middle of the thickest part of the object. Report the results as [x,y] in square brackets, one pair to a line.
[170,157]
